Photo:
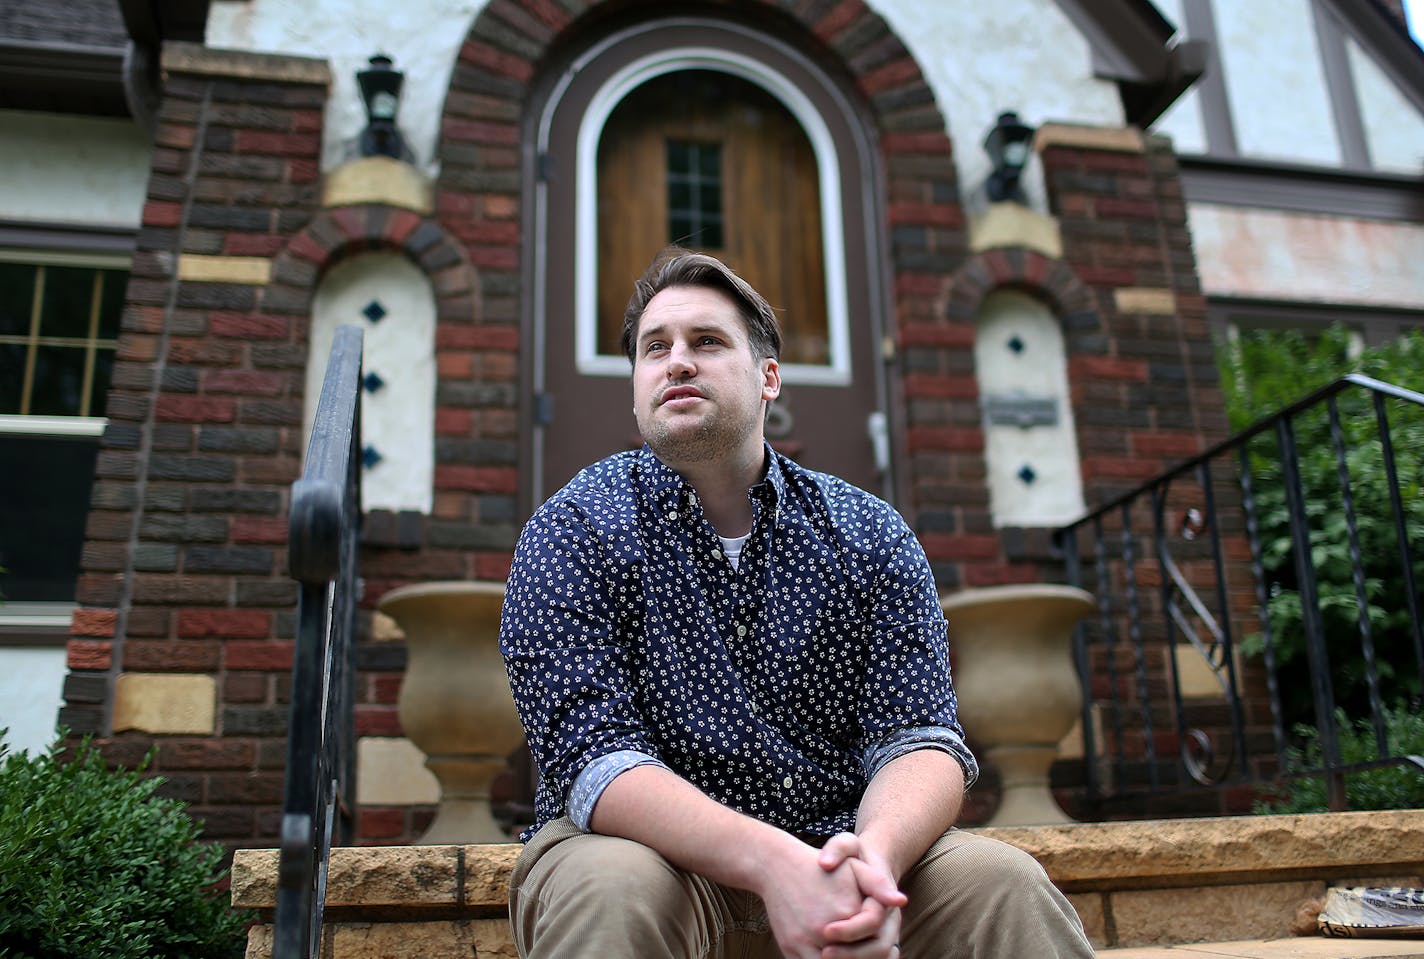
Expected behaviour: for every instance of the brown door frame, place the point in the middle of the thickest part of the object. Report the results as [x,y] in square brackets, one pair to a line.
[586,72]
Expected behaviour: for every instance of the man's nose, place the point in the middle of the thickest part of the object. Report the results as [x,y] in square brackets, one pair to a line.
[680,362]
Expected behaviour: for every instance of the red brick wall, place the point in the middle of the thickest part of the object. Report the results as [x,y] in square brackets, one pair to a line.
[184,568]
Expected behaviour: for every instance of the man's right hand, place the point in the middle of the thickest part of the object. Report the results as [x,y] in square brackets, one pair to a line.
[804,900]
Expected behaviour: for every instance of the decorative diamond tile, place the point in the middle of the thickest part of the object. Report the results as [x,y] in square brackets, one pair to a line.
[372,382]
[370,456]
[1026,474]
[374,311]
[1016,345]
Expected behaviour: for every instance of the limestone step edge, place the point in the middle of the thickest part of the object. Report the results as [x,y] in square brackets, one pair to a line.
[1304,947]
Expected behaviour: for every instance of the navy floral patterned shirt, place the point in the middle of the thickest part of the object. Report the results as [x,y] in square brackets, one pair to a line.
[778,687]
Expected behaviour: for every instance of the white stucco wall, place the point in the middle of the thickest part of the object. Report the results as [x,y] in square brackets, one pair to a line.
[1394,129]
[59,168]
[1266,254]
[31,691]
[981,59]
[422,38]
[1275,82]
[1183,119]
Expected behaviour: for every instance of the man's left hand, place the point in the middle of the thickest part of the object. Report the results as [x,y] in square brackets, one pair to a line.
[874,931]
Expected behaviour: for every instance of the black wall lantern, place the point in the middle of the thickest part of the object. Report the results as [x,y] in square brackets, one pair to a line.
[1008,145]
[380,90]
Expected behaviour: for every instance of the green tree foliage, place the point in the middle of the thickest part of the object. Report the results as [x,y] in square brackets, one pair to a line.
[94,863]
[1264,371]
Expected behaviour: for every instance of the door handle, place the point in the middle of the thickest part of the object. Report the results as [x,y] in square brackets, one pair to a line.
[878,428]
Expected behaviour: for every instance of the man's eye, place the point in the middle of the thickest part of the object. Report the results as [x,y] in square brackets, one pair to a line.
[709,341]
[654,347]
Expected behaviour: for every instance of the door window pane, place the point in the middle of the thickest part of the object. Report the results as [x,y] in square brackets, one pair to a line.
[694,194]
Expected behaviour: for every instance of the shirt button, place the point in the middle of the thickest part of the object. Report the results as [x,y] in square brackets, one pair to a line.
[787,783]
[672,516]
[741,630]
[716,554]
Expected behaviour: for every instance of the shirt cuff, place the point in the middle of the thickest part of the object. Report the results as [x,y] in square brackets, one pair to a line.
[594,779]
[904,741]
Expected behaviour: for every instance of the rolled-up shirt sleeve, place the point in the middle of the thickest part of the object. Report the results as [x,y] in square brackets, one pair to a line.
[571,678]
[907,699]
[596,777]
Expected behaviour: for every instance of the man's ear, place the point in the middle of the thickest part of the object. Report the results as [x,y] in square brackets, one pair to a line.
[771,379]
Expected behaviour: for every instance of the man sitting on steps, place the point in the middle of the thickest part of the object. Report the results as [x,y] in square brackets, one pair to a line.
[734,677]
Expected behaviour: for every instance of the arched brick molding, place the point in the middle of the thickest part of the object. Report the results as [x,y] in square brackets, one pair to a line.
[944,430]
[337,233]
[469,534]
[484,184]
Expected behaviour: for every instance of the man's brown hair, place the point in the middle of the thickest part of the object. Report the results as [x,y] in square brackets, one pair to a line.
[675,266]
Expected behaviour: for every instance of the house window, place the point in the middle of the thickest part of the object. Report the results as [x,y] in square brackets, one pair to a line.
[59,323]
[694,182]
[58,329]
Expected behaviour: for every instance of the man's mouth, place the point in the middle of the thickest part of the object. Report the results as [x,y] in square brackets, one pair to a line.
[679,393]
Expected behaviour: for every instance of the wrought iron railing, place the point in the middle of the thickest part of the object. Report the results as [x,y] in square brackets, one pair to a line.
[1210,610]
[318,805]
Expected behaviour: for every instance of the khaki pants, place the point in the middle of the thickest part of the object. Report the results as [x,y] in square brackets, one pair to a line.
[578,894]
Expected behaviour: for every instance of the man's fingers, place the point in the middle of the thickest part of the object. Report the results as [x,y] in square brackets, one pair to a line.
[883,943]
[839,848]
[865,924]
[877,884]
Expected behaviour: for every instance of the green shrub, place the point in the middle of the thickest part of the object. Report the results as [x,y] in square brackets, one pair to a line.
[94,864]
[1389,787]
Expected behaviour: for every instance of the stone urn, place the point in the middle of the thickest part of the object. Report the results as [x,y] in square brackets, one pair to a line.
[454,700]
[1017,686]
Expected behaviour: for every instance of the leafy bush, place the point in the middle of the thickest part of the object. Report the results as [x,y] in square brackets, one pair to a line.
[1389,787]
[94,864]
[1265,371]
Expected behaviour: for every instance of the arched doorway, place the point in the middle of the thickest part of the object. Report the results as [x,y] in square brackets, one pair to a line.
[708,133]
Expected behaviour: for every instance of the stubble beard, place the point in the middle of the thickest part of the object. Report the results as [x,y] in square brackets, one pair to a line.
[715,436]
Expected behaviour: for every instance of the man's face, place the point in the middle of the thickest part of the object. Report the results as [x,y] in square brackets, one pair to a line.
[698,391]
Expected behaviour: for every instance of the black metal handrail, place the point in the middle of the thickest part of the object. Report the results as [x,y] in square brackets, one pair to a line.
[318,804]
[1132,651]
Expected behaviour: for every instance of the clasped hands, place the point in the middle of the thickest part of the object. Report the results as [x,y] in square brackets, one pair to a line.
[847,908]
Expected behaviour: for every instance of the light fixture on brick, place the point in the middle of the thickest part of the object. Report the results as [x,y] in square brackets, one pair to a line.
[380,85]
[1008,147]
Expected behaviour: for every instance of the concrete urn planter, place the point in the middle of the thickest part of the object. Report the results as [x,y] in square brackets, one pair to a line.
[1017,686]
[454,701]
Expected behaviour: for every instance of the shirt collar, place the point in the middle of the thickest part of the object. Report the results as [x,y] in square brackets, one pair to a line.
[670,492]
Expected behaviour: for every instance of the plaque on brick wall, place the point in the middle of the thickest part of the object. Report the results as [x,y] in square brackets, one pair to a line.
[1024,411]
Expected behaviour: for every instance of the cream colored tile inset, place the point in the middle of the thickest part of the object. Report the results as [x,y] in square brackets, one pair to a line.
[165,703]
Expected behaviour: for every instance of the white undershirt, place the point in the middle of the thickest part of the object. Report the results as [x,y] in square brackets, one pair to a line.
[733,548]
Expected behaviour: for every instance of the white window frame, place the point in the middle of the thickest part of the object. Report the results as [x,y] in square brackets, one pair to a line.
[35,619]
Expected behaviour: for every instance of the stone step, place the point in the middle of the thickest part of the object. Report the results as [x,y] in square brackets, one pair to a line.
[1136,884]
[1306,947]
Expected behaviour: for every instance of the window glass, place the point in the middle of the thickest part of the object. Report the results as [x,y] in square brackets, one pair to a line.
[59,367]
[17,292]
[58,331]
[44,501]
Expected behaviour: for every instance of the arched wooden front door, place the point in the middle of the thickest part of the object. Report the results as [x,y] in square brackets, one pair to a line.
[703,136]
